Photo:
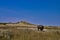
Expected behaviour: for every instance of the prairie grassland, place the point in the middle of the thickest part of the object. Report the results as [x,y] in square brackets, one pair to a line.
[33,35]
[28,34]
[53,27]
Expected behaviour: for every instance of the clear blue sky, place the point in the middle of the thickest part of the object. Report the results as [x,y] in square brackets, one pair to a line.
[45,12]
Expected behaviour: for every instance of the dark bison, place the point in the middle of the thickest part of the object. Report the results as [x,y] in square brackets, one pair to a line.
[40,27]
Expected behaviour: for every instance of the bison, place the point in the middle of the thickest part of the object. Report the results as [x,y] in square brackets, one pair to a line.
[40,27]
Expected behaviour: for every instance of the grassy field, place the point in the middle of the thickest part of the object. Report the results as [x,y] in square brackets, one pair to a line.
[26,34]
[32,35]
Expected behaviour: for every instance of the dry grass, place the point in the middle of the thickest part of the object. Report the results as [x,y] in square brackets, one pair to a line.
[27,34]
[53,27]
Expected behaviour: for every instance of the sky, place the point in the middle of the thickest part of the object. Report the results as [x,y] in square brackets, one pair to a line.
[43,12]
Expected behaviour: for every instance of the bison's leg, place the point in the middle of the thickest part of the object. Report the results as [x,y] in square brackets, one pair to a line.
[38,29]
[41,29]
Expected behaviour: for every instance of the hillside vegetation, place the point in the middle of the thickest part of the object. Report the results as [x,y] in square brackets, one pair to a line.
[33,35]
[8,32]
